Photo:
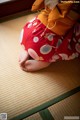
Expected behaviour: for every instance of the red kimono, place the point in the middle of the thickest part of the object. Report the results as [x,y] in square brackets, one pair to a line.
[45,45]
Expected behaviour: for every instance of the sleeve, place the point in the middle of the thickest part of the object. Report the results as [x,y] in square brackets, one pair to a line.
[59,11]
[37,5]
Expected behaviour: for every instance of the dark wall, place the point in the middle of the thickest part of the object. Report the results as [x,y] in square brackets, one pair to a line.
[14,6]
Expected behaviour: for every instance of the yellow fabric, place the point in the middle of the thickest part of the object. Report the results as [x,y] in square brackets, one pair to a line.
[59,11]
[59,19]
[38,4]
[73,15]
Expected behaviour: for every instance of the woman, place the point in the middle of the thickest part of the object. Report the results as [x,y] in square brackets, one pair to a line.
[53,35]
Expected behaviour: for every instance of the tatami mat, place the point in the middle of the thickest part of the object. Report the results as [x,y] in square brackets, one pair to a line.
[67,108]
[21,91]
[34,117]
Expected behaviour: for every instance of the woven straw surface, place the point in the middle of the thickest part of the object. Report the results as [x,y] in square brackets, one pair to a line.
[20,91]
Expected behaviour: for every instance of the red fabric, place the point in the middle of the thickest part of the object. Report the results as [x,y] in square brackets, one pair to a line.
[43,44]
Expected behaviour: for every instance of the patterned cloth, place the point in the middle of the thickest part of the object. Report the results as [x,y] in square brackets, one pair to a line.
[43,44]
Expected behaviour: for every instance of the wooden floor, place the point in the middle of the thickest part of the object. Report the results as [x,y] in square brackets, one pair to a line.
[21,91]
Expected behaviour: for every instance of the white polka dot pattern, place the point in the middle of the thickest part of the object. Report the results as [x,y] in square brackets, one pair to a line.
[35,39]
[29,25]
[33,54]
[34,23]
[45,49]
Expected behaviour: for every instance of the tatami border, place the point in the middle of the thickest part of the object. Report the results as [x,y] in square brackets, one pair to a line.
[47,104]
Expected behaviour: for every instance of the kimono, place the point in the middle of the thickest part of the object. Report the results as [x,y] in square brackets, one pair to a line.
[55,33]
